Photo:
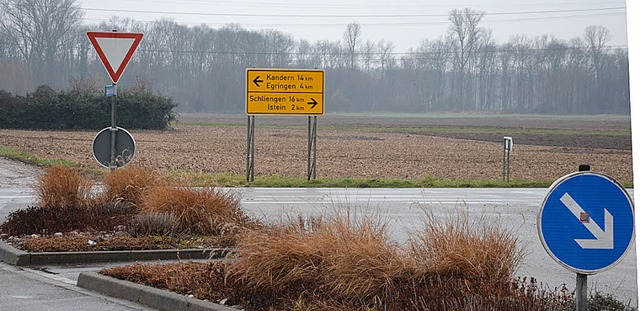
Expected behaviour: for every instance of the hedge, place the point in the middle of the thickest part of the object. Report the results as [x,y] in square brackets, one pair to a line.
[65,110]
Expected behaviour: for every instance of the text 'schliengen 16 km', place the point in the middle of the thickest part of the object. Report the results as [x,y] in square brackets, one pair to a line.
[285,92]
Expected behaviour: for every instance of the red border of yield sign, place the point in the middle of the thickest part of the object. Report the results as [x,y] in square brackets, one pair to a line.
[114,74]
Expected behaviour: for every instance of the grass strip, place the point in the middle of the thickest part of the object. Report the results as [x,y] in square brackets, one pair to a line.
[278,181]
[21,156]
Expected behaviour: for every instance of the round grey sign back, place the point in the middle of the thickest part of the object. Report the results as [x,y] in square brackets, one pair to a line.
[125,147]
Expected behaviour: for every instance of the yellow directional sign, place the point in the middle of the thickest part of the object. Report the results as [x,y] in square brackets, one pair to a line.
[285,92]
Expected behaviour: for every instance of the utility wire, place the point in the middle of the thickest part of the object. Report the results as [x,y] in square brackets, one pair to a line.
[390,24]
[350,16]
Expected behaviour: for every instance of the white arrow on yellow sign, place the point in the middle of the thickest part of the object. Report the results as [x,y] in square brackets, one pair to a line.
[285,92]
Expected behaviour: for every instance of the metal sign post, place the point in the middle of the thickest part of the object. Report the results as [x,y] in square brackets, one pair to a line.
[581,278]
[251,146]
[114,129]
[312,136]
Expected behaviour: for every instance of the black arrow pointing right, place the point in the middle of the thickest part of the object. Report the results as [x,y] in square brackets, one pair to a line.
[313,103]
[257,80]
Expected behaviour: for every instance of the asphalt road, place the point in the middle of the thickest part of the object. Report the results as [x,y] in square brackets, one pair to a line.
[405,211]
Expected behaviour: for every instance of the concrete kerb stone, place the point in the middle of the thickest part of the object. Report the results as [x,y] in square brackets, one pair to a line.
[149,296]
[16,257]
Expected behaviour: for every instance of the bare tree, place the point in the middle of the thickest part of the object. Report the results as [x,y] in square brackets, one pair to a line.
[466,33]
[126,24]
[352,38]
[597,38]
[385,50]
[304,54]
[40,29]
[279,47]
[368,51]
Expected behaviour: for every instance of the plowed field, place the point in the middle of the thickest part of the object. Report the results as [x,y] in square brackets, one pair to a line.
[465,147]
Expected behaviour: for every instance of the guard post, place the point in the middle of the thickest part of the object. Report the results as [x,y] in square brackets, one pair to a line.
[506,158]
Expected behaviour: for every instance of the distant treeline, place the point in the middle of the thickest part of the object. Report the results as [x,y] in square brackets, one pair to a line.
[77,109]
[203,68]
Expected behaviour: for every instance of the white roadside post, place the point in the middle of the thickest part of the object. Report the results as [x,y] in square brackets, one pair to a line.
[506,158]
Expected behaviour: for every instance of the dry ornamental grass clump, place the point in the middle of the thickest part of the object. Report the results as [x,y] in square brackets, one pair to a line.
[67,205]
[345,263]
[130,183]
[197,211]
[346,259]
[460,249]
[63,187]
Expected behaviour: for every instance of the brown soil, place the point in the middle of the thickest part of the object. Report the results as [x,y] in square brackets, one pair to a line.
[373,147]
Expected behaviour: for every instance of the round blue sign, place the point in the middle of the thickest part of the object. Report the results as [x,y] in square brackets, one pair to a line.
[586,222]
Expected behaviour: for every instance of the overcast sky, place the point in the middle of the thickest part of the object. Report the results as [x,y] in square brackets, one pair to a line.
[403,22]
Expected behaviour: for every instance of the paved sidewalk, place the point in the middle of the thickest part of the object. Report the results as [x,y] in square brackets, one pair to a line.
[30,290]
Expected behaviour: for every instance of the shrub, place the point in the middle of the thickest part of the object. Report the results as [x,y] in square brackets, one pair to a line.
[198,211]
[598,301]
[129,184]
[143,109]
[153,224]
[46,108]
[49,220]
[197,278]
[63,187]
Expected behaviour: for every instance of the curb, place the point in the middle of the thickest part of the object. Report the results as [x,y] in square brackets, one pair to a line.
[16,257]
[13,256]
[146,295]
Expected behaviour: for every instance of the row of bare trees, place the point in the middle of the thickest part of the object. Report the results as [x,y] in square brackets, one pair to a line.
[203,69]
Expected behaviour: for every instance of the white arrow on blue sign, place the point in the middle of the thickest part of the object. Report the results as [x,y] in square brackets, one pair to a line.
[586,222]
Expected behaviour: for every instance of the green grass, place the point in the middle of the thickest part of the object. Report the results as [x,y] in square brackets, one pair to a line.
[15,154]
[278,181]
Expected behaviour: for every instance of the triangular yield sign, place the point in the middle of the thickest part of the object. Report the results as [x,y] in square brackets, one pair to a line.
[115,50]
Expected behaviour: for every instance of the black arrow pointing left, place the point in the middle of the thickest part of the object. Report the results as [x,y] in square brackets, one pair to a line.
[257,80]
